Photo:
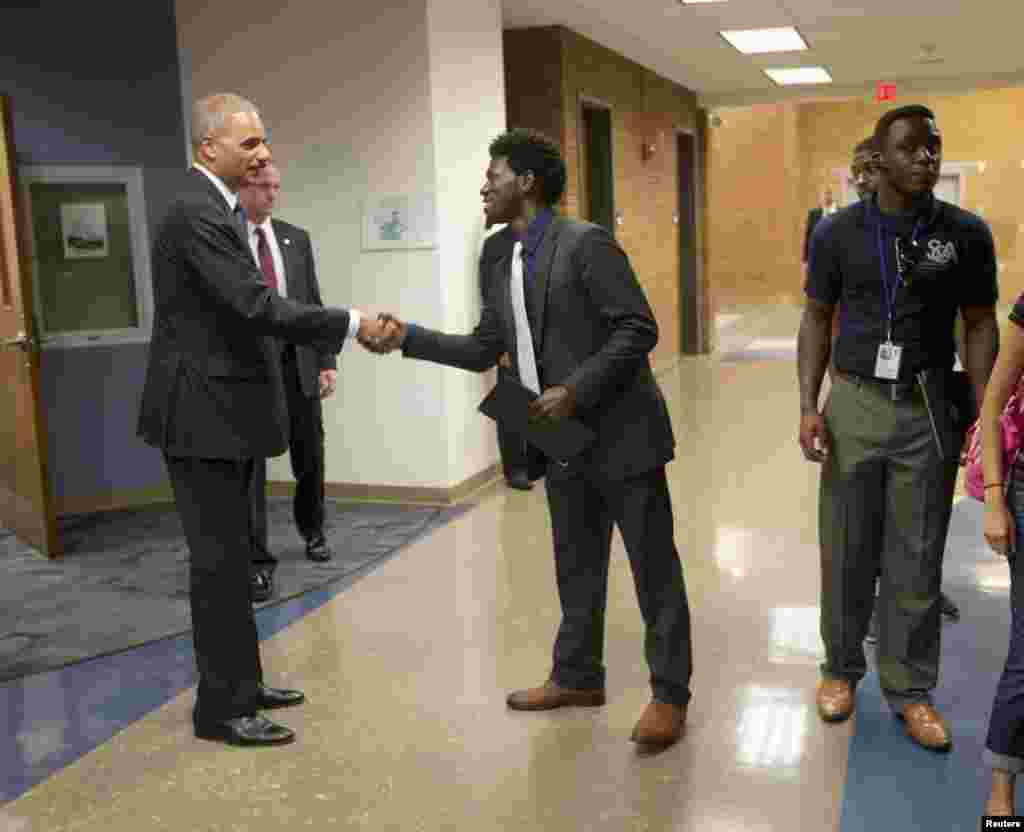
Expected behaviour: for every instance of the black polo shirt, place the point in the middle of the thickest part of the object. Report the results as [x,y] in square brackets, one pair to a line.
[956,267]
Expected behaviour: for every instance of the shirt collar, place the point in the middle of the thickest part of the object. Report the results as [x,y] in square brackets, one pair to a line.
[265,225]
[220,186]
[536,230]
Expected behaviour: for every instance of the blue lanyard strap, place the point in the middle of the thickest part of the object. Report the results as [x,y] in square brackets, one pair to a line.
[890,289]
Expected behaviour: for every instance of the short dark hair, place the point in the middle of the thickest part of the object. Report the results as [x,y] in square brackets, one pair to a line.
[865,146]
[900,113]
[531,150]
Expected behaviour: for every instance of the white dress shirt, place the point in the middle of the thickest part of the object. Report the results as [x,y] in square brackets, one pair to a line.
[275,252]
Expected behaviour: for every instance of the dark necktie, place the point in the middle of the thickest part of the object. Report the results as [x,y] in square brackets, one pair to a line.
[266,260]
[240,219]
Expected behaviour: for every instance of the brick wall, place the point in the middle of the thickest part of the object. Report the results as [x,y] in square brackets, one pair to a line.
[768,165]
[645,108]
[754,236]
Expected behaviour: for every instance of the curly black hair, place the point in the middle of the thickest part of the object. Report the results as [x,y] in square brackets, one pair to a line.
[531,150]
[900,113]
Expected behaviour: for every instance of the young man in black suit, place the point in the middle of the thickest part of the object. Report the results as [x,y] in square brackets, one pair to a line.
[568,308]
[213,402]
[285,256]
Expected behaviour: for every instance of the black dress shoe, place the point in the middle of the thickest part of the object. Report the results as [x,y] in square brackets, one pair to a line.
[246,730]
[519,481]
[278,698]
[316,548]
[262,583]
[949,609]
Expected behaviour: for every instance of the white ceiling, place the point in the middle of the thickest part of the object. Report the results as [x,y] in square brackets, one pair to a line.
[858,41]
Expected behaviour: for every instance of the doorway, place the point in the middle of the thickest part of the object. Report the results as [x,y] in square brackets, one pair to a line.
[690,319]
[596,170]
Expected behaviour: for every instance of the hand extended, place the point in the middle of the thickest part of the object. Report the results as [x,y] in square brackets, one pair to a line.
[505,361]
[813,436]
[382,335]
[554,404]
[998,526]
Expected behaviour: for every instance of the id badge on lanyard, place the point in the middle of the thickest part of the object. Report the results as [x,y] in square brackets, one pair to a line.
[887,363]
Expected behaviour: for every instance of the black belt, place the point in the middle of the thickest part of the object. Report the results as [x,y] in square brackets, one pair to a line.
[896,391]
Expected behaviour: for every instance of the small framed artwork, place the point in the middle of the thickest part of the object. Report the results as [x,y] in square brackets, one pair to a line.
[400,221]
[84,230]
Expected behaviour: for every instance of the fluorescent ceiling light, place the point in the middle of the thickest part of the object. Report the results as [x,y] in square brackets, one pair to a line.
[695,2]
[760,41]
[785,77]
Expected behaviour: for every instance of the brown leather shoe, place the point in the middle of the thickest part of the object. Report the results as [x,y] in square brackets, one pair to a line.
[835,700]
[550,696]
[926,727]
[660,725]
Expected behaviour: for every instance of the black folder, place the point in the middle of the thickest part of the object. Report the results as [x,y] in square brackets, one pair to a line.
[507,403]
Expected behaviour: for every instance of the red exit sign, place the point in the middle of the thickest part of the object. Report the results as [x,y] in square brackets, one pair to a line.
[884,91]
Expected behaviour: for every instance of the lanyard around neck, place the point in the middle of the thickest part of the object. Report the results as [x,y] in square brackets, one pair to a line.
[889,289]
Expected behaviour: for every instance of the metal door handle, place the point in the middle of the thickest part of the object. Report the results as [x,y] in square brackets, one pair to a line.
[22,341]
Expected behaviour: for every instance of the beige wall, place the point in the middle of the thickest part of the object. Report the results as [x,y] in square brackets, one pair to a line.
[767,167]
[384,98]
[644,108]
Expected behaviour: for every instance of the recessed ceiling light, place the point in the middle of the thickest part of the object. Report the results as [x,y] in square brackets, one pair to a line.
[759,41]
[791,76]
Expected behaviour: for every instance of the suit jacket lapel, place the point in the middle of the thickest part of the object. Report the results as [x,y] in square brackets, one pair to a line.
[289,258]
[538,299]
[218,198]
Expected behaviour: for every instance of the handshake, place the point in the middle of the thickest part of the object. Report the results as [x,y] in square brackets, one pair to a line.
[383,335]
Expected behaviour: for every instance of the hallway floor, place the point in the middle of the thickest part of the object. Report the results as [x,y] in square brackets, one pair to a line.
[406,671]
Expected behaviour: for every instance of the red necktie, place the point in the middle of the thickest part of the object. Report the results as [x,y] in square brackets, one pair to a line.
[266,260]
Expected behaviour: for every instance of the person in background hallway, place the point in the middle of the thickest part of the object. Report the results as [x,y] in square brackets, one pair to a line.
[569,308]
[213,402]
[1004,531]
[900,264]
[285,256]
[827,208]
[512,446]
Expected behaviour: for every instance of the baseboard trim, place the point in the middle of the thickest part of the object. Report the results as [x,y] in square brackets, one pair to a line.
[351,492]
[412,495]
[114,500]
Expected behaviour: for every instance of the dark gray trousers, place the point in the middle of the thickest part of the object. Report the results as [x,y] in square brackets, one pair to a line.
[583,509]
[884,507]
[212,497]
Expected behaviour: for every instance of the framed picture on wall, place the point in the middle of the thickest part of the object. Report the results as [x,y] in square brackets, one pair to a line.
[84,230]
[89,254]
[399,221]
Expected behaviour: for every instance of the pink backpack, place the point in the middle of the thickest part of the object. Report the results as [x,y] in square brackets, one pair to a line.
[1011,421]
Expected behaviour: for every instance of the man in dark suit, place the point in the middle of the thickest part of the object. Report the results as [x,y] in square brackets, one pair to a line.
[511,445]
[213,402]
[285,256]
[569,309]
[815,215]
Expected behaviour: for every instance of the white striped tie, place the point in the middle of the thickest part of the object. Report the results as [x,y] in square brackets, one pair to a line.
[524,340]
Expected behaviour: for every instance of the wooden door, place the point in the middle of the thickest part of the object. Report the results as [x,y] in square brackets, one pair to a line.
[25,504]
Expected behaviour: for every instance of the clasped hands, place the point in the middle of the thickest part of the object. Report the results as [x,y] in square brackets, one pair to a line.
[381,335]
[386,334]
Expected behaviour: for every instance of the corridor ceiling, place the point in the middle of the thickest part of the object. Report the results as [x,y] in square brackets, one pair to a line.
[941,45]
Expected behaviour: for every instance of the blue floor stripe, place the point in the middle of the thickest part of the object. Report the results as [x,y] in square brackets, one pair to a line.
[51,719]
[892,784]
